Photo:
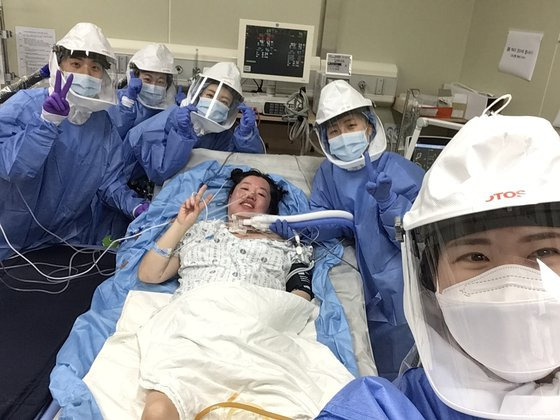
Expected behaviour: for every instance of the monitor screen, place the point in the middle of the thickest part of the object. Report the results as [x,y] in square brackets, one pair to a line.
[275,51]
[427,150]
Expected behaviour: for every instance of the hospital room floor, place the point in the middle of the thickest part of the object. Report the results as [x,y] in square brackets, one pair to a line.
[34,325]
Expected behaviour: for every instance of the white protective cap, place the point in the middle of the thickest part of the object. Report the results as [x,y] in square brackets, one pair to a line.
[225,74]
[491,156]
[337,98]
[89,38]
[156,58]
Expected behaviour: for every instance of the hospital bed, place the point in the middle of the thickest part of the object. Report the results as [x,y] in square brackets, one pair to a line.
[345,331]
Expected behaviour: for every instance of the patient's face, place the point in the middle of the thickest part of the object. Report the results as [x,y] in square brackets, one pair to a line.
[251,195]
[471,255]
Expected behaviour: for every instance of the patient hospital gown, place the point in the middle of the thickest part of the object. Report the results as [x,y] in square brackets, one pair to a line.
[232,332]
[209,252]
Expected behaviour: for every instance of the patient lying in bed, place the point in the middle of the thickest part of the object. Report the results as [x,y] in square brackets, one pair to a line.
[231,336]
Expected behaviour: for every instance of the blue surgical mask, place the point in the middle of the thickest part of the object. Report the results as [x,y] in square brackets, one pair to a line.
[348,146]
[219,111]
[85,85]
[152,95]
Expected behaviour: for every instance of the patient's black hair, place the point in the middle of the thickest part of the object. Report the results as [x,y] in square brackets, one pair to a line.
[276,192]
[62,53]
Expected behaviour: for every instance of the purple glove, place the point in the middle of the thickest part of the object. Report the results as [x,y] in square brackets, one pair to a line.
[56,102]
[180,95]
[282,229]
[248,120]
[140,208]
[379,183]
[134,87]
[183,116]
[45,71]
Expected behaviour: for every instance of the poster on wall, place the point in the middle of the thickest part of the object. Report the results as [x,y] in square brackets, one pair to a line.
[33,46]
[520,53]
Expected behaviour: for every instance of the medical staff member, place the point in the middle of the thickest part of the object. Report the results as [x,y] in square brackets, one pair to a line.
[162,145]
[482,252]
[150,88]
[361,177]
[59,149]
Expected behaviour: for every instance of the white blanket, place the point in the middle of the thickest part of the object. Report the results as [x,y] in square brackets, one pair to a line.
[216,343]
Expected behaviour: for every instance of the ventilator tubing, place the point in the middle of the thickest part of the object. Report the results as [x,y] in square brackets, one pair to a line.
[304,220]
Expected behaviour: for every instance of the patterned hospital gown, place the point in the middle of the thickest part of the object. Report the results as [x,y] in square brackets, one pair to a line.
[209,253]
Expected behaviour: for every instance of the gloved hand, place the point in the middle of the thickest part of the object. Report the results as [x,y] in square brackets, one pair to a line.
[45,71]
[180,95]
[282,229]
[379,183]
[134,87]
[248,120]
[140,208]
[56,107]
[183,116]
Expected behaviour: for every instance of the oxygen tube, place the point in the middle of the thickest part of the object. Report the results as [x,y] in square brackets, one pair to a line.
[296,221]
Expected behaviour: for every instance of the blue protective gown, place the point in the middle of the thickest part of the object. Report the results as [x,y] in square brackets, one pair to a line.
[61,171]
[415,385]
[161,150]
[124,118]
[377,251]
[370,398]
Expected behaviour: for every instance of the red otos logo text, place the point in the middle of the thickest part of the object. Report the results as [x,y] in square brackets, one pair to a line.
[507,194]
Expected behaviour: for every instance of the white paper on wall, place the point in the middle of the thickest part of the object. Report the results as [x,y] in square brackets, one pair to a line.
[520,53]
[33,46]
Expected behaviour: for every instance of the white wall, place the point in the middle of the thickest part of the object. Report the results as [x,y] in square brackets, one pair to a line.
[491,22]
[426,39]
[430,41]
[209,23]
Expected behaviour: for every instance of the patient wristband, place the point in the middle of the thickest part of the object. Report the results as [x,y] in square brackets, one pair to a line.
[300,279]
[164,252]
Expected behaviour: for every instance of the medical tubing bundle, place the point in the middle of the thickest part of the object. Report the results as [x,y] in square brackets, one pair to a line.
[66,278]
[304,220]
[24,83]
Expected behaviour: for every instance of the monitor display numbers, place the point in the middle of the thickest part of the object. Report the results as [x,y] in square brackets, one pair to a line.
[275,51]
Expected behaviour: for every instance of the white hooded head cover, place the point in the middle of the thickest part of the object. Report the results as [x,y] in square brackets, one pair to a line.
[227,76]
[89,38]
[156,58]
[494,162]
[337,98]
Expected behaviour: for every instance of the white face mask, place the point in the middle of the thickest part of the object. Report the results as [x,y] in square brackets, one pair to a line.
[349,146]
[86,85]
[152,95]
[219,111]
[506,320]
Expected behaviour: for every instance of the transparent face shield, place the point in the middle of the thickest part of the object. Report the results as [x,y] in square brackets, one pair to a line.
[345,138]
[106,96]
[217,105]
[482,297]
